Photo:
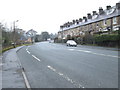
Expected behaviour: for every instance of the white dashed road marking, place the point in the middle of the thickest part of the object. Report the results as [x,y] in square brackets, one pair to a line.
[66,77]
[28,52]
[32,55]
[84,51]
[71,49]
[94,53]
[35,57]
[106,55]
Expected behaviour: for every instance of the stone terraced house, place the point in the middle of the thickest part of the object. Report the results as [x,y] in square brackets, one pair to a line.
[102,22]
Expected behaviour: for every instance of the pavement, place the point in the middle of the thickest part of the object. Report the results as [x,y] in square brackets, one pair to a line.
[0,72]
[11,71]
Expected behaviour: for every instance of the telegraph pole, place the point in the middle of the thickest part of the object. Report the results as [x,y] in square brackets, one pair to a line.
[14,41]
[62,33]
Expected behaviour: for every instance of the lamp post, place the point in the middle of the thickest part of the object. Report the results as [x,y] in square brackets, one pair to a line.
[14,29]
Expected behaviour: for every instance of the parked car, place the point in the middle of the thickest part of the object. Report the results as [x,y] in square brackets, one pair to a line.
[51,41]
[71,43]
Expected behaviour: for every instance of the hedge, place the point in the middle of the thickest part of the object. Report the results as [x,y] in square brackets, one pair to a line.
[107,37]
[107,40]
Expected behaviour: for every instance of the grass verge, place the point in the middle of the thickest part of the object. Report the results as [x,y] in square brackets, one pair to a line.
[11,47]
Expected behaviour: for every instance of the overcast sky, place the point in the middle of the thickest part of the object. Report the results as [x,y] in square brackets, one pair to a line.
[47,15]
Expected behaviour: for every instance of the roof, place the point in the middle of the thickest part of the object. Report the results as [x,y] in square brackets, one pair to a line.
[113,12]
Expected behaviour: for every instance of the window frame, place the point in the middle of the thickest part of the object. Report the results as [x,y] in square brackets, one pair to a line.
[114,20]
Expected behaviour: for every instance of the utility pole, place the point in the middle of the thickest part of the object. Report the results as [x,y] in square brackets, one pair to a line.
[14,30]
[62,33]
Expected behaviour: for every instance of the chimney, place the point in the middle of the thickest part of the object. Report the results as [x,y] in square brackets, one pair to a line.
[68,24]
[61,27]
[77,21]
[80,19]
[101,10]
[85,18]
[108,7]
[89,16]
[94,13]
[73,21]
[118,5]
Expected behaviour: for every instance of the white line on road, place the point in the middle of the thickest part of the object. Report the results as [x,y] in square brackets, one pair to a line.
[26,80]
[24,76]
[51,68]
[28,52]
[84,51]
[66,77]
[35,57]
[96,53]
[106,55]
[1,64]
[71,49]
[27,48]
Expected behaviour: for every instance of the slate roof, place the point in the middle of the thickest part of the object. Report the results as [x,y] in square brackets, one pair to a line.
[113,12]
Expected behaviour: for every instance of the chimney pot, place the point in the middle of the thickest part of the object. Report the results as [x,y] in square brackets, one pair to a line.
[89,16]
[108,7]
[85,18]
[94,13]
[118,5]
[101,10]
[80,19]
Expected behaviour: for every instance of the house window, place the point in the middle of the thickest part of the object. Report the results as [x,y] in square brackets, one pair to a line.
[105,22]
[114,20]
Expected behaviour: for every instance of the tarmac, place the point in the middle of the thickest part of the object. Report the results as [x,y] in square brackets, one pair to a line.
[11,70]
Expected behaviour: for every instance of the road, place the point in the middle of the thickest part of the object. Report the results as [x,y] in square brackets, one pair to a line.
[50,65]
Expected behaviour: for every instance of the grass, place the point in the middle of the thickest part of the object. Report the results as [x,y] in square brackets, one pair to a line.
[11,47]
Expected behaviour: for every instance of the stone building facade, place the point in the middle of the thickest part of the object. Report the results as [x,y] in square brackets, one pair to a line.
[101,22]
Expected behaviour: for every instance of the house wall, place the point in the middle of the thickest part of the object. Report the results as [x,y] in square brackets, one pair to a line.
[94,27]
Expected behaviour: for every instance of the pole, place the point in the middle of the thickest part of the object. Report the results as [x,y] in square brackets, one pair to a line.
[14,39]
[13,34]
[62,36]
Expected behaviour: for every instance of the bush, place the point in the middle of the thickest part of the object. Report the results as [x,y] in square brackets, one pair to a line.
[107,40]
[108,37]
[88,39]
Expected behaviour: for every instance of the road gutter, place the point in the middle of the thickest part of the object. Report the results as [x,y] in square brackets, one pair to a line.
[25,79]
[23,73]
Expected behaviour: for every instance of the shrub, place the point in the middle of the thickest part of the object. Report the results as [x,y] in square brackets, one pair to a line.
[107,39]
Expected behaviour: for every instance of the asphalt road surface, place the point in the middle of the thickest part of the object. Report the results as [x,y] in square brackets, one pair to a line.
[50,65]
